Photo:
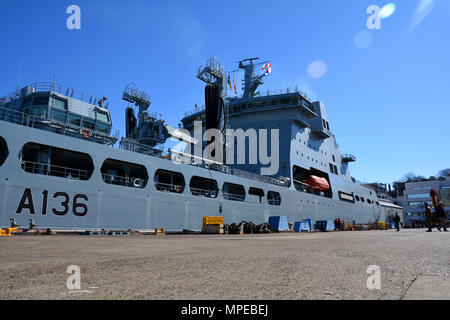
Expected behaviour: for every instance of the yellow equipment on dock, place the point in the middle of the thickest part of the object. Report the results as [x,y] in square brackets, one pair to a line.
[7,232]
[213,225]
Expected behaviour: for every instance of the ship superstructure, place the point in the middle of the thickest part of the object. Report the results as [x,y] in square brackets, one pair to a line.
[59,167]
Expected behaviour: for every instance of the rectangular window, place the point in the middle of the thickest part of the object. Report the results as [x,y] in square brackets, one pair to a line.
[169,181]
[103,128]
[235,192]
[346,197]
[74,120]
[40,101]
[203,187]
[59,115]
[274,198]
[52,161]
[59,103]
[124,173]
[39,112]
[88,124]
[256,192]
[102,116]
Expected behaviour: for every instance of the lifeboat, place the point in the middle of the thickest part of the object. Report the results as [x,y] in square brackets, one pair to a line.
[318,183]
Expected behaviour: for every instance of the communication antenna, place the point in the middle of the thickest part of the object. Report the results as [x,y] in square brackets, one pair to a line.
[19,78]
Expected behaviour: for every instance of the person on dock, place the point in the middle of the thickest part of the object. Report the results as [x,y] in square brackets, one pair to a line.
[428,217]
[397,221]
[441,214]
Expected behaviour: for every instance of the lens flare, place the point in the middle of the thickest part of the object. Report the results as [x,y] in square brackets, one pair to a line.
[317,69]
[388,10]
[363,39]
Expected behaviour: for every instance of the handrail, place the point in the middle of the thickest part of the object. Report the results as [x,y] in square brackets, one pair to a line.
[124,181]
[273,92]
[233,196]
[53,87]
[169,187]
[209,193]
[52,170]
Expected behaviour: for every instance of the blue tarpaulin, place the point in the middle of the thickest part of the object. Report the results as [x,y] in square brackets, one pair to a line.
[325,225]
[279,223]
[304,225]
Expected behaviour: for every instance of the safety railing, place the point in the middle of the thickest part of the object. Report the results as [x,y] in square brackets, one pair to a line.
[233,196]
[169,187]
[54,87]
[124,181]
[204,193]
[57,171]
[196,110]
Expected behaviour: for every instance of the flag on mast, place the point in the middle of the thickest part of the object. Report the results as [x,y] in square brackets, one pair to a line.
[229,82]
[267,69]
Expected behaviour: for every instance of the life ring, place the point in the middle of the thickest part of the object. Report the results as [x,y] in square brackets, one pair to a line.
[86,133]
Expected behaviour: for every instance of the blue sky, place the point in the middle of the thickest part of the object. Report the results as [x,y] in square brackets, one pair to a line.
[387,101]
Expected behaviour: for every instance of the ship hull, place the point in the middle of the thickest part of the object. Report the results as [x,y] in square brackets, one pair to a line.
[54,202]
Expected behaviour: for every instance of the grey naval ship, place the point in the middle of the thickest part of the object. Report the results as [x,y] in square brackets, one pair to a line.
[62,168]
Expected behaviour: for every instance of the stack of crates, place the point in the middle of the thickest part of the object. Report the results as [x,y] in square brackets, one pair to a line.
[213,225]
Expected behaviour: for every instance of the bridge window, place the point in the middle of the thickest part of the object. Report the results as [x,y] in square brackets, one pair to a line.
[274,198]
[59,103]
[102,116]
[357,198]
[3,151]
[124,173]
[59,115]
[256,192]
[40,101]
[74,120]
[169,181]
[42,159]
[234,192]
[89,124]
[39,112]
[203,187]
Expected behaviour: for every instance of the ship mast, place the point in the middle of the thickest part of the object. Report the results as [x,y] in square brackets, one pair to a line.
[251,79]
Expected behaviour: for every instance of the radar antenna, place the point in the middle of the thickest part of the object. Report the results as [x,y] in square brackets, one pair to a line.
[251,80]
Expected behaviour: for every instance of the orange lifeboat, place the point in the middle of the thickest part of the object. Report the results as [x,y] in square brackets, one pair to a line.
[318,183]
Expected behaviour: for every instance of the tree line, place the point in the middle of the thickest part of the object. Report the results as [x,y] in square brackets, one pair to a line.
[398,187]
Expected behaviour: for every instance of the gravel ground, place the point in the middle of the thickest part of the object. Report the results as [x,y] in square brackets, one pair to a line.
[414,265]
